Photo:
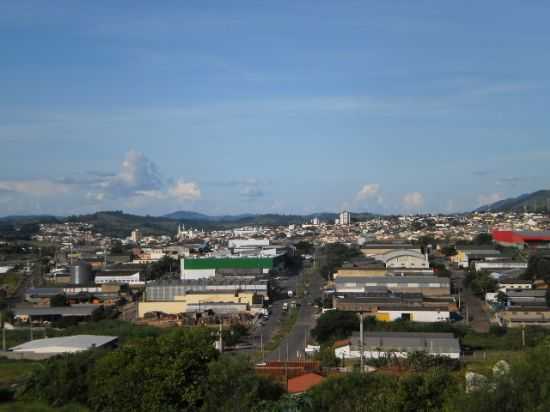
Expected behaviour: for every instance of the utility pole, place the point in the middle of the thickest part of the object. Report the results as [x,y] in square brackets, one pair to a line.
[3,332]
[305,342]
[262,345]
[361,341]
[286,366]
[221,336]
[523,335]
[30,321]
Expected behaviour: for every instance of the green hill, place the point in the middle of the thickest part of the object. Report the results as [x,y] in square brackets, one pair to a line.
[530,202]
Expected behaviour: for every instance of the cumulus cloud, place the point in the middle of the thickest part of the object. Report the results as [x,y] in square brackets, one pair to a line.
[137,175]
[370,191]
[487,199]
[414,200]
[138,180]
[183,190]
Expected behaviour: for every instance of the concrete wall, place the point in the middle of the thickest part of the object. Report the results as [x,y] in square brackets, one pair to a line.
[345,352]
[242,297]
[409,262]
[361,272]
[171,308]
[416,316]
[188,274]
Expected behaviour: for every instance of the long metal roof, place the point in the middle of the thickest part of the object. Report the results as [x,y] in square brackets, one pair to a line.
[67,343]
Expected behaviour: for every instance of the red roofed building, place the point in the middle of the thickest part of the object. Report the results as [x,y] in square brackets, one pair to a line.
[521,239]
[304,383]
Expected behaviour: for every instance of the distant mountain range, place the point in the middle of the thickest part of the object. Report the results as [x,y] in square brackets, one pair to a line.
[120,224]
[529,202]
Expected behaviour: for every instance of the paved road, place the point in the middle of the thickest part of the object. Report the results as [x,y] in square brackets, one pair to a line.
[296,339]
[472,306]
[265,333]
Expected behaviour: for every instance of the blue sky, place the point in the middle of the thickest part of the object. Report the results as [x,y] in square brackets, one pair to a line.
[262,106]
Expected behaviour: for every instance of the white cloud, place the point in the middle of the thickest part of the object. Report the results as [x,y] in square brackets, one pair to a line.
[38,187]
[414,200]
[138,182]
[487,199]
[370,191]
[137,175]
[183,190]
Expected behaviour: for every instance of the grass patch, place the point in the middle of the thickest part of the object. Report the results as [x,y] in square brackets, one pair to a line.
[9,281]
[484,364]
[123,329]
[15,371]
[508,340]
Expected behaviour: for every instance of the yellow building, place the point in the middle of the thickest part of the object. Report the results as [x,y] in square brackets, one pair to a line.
[170,308]
[351,272]
[181,303]
[225,297]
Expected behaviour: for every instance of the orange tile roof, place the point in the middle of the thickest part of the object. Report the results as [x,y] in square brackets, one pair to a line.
[304,383]
[340,343]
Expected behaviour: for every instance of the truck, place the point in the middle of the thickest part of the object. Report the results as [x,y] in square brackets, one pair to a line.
[285,306]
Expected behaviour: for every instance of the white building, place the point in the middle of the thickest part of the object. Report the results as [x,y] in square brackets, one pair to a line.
[67,344]
[379,345]
[345,218]
[479,266]
[119,278]
[136,236]
[247,243]
[404,259]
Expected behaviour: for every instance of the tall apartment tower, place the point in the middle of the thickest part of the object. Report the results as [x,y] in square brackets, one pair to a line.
[136,235]
[345,218]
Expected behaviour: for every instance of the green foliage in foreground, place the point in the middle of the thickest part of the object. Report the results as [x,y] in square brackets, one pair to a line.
[181,371]
[36,406]
[525,388]
[177,371]
[374,393]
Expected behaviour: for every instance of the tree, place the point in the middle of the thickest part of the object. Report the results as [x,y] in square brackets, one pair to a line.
[233,385]
[335,324]
[480,283]
[304,247]
[333,255]
[160,268]
[483,239]
[355,392]
[63,379]
[538,268]
[425,392]
[327,357]
[523,389]
[449,251]
[168,373]
[58,300]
